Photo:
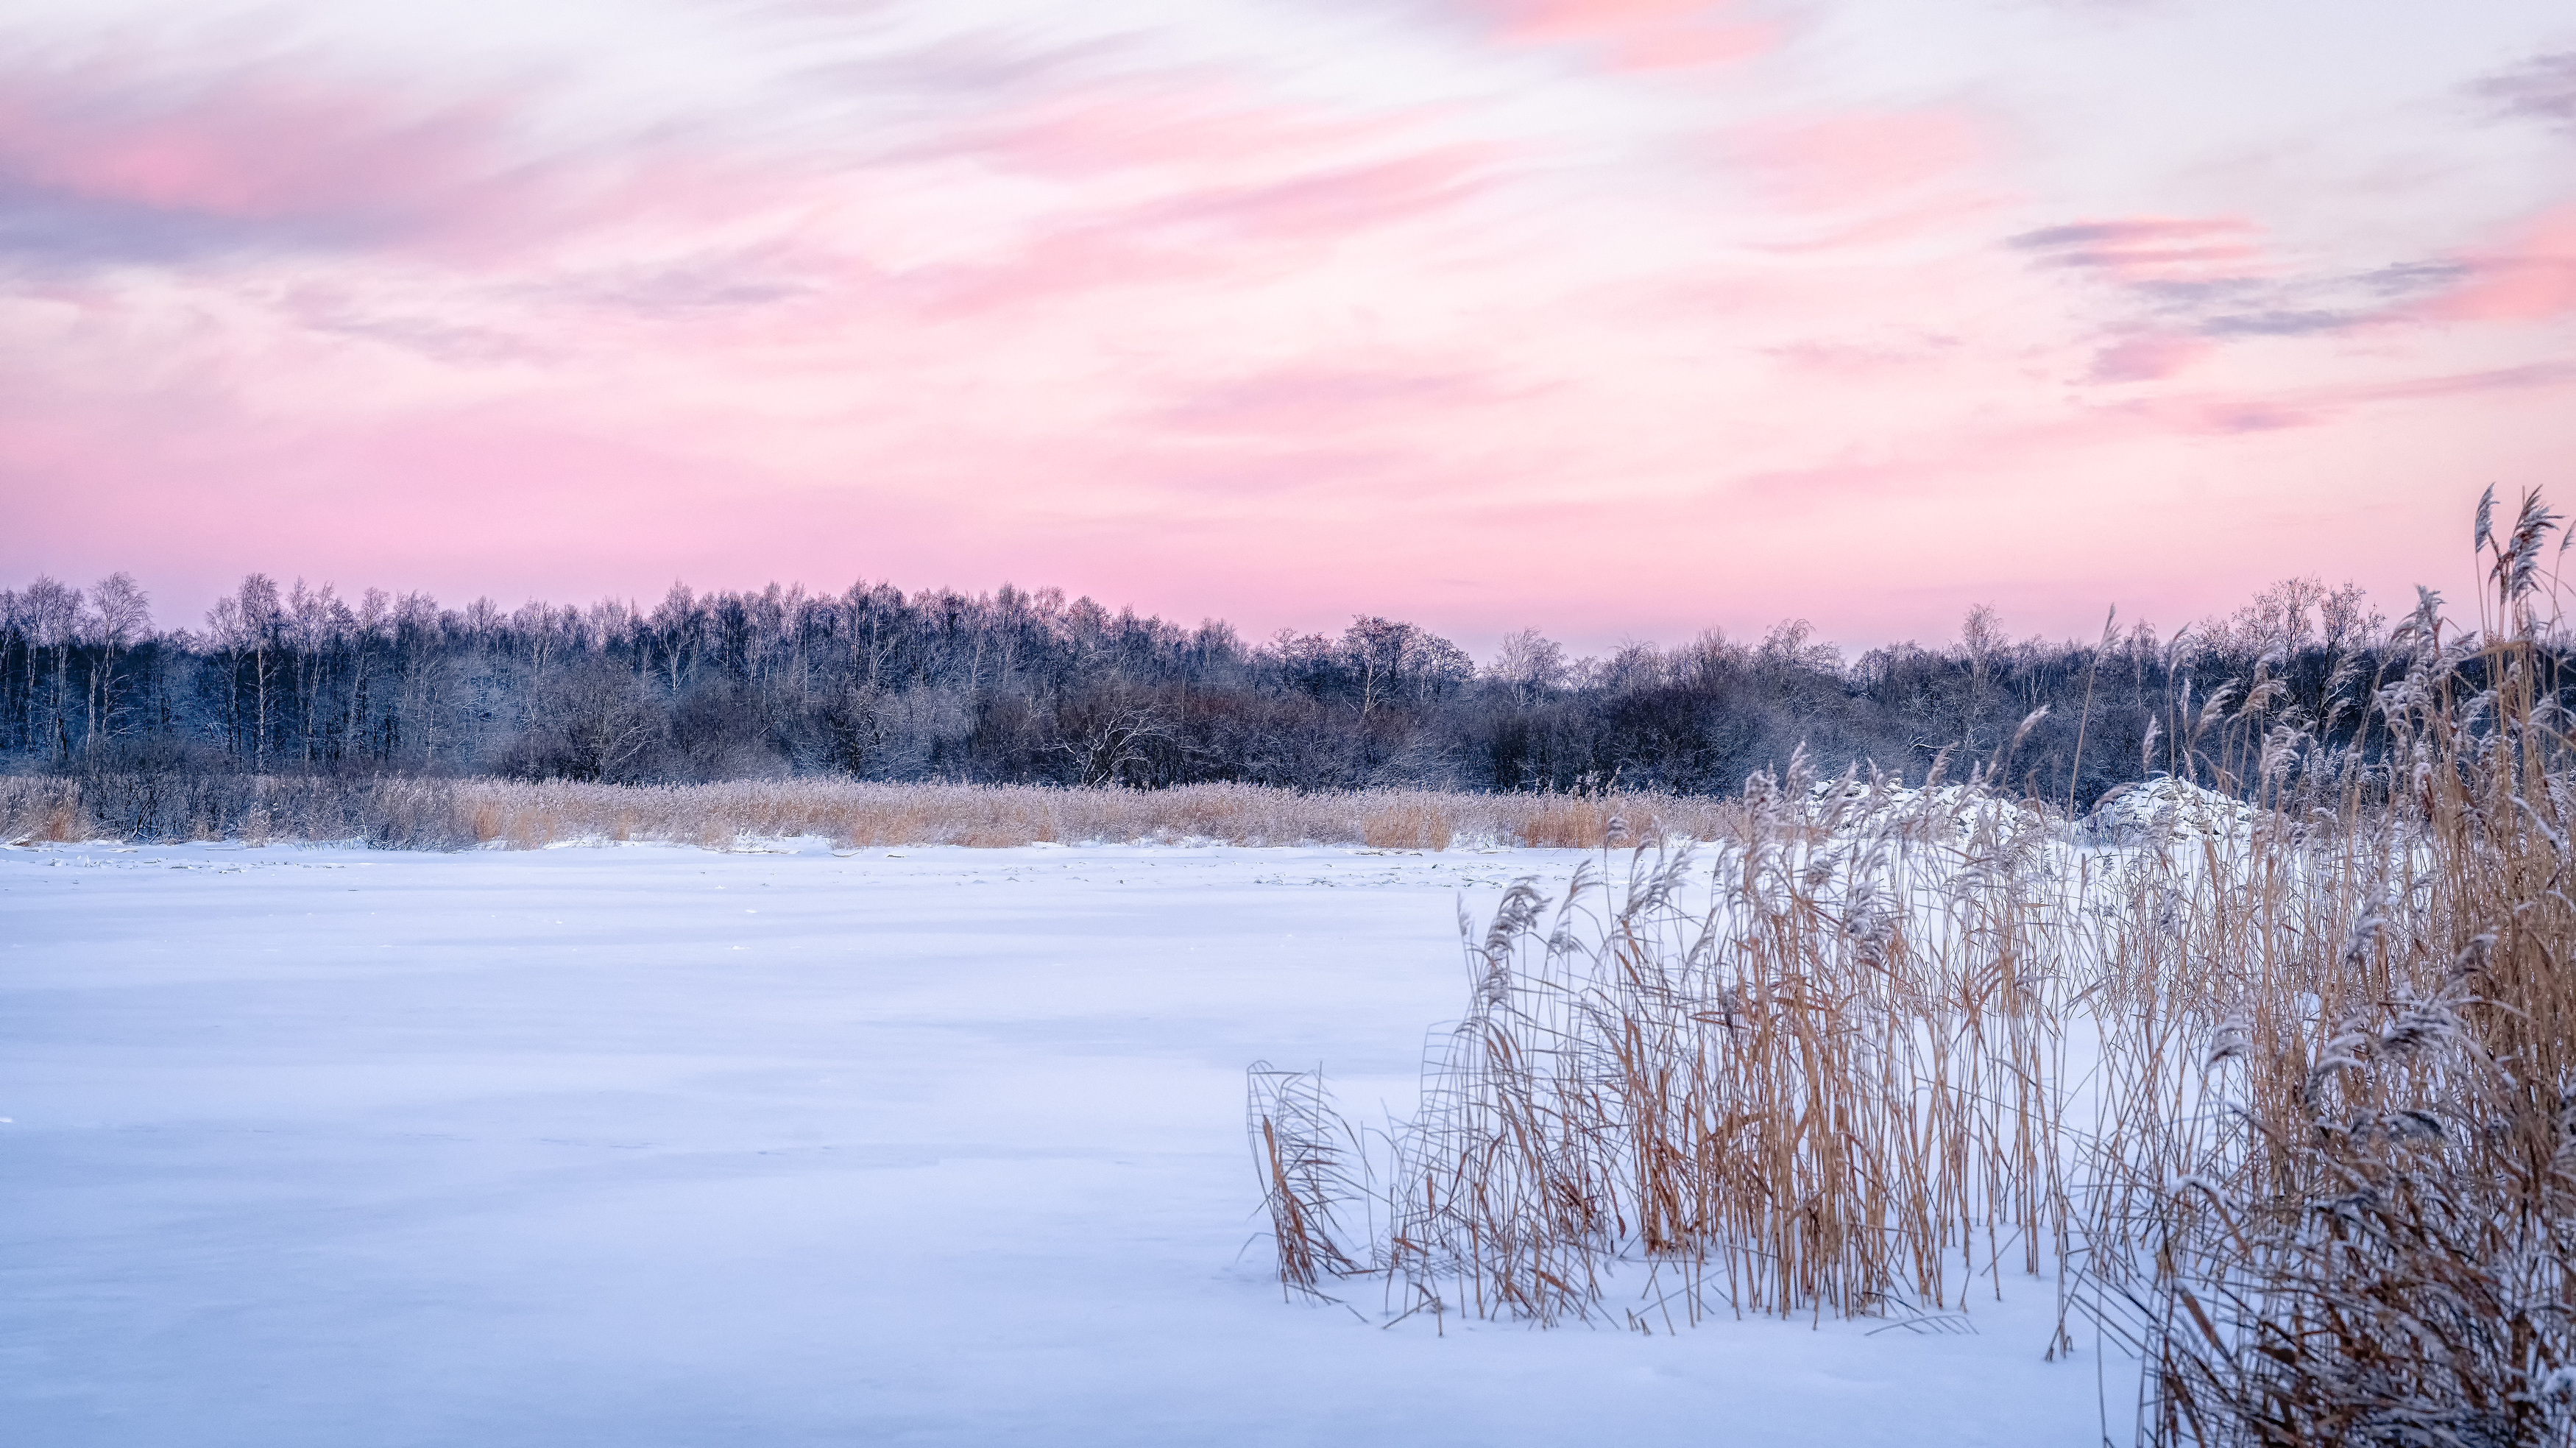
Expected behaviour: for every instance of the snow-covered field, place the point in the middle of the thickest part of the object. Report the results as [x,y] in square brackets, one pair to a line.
[651,1145]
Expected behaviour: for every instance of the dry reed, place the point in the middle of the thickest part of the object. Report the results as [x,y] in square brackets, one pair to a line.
[398,812]
[2281,1095]
[1818,1086]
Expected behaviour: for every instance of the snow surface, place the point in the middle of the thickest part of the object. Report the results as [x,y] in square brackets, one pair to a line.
[651,1145]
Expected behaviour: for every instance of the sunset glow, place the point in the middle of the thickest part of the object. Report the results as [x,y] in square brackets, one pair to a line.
[1619,318]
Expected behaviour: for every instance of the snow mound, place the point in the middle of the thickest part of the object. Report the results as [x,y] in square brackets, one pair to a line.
[1952,810]
[2166,807]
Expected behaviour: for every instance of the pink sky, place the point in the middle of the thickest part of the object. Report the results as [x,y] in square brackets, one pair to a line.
[1619,318]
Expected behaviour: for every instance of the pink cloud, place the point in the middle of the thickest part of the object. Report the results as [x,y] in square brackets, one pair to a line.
[264,152]
[2529,275]
[1203,127]
[1868,357]
[2236,417]
[118,161]
[2152,249]
[1198,233]
[2149,357]
[1635,35]
[1328,400]
[1856,159]
[2216,411]
[1329,201]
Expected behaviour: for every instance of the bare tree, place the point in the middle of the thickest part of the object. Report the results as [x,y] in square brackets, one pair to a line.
[52,613]
[1530,664]
[120,614]
[1115,740]
[1388,658]
[245,627]
[1981,637]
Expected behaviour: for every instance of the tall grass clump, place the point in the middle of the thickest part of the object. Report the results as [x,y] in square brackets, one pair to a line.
[2357,1221]
[1795,1070]
[2277,1088]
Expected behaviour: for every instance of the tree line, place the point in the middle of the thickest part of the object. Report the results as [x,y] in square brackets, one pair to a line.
[1027,687]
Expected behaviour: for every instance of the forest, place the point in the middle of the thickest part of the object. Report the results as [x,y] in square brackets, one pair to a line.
[1023,687]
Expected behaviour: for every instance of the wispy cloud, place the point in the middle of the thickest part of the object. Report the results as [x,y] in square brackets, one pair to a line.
[1855,159]
[105,163]
[2542,88]
[2148,357]
[2526,275]
[2203,281]
[1332,400]
[1631,35]
[2153,251]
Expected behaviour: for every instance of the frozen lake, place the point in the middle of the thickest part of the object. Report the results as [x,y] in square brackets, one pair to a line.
[655,1146]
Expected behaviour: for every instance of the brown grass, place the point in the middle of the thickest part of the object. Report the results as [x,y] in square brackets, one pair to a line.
[517,815]
[2356,1220]
[1822,1087]
[59,821]
[2288,1109]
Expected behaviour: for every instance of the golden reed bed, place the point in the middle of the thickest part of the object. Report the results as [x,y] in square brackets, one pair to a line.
[432,813]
